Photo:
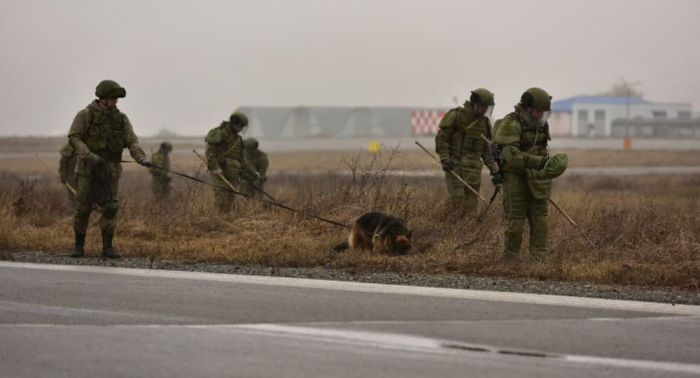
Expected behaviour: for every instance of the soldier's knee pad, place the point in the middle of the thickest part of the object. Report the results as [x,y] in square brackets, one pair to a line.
[110,210]
[516,225]
[82,210]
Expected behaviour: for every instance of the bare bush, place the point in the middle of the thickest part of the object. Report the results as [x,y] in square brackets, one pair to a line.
[646,233]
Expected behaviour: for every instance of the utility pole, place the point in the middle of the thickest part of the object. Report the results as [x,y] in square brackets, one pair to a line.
[628,92]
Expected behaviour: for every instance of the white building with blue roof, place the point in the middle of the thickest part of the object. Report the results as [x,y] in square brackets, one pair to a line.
[593,116]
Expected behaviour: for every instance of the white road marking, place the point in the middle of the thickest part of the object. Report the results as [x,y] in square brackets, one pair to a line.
[401,342]
[671,367]
[542,299]
[361,338]
[35,308]
[429,345]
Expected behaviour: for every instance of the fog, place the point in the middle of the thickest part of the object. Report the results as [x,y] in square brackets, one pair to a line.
[187,64]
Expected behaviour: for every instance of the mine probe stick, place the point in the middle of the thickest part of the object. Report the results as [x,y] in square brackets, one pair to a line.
[221,175]
[52,170]
[571,221]
[245,177]
[454,174]
[568,218]
[256,187]
[228,189]
[497,159]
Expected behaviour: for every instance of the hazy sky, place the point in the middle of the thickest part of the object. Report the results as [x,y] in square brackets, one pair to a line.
[187,64]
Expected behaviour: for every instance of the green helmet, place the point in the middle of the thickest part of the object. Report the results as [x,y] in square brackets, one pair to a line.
[239,118]
[556,165]
[251,143]
[167,146]
[109,89]
[482,96]
[537,98]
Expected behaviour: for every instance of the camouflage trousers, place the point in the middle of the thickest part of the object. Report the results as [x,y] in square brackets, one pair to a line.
[248,189]
[83,206]
[519,204]
[225,199]
[462,200]
[160,188]
[71,196]
[71,180]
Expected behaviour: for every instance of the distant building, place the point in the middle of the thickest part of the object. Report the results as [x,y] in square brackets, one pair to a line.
[426,121]
[657,128]
[593,116]
[319,121]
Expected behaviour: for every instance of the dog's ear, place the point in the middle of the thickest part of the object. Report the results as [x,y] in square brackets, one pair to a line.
[409,234]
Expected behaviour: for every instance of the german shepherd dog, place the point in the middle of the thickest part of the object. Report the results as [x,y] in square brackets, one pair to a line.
[378,233]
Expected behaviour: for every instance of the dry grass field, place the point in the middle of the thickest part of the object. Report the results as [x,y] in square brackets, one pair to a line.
[417,159]
[16,156]
[647,229]
[409,160]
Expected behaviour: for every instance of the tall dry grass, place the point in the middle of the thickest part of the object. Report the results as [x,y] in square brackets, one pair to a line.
[647,229]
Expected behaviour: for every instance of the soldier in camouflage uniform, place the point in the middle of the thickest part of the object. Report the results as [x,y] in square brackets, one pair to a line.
[225,156]
[463,151]
[260,162]
[98,135]
[66,168]
[160,179]
[522,137]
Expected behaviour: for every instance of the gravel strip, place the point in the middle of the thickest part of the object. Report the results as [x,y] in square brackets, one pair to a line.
[518,285]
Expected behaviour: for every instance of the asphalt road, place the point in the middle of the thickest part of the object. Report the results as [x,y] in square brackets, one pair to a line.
[74,321]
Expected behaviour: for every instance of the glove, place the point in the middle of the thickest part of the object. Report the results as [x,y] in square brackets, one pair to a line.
[145,162]
[216,172]
[497,179]
[543,162]
[96,160]
[446,165]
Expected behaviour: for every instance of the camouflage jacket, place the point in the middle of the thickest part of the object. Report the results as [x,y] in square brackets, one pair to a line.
[225,151]
[459,138]
[66,167]
[162,160]
[523,146]
[104,133]
[260,162]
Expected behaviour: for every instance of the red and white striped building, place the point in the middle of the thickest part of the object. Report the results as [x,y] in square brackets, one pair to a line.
[426,121]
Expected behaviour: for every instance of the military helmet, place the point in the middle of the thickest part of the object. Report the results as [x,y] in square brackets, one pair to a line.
[251,143]
[167,146]
[109,89]
[537,98]
[238,118]
[556,165]
[482,96]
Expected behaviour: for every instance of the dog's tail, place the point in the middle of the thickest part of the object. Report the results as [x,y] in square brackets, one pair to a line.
[342,246]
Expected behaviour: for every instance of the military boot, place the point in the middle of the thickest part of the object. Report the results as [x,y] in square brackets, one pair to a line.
[107,250]
[79,249]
